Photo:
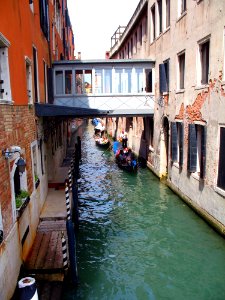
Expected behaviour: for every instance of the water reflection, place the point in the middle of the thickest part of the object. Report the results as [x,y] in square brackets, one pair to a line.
[137,240]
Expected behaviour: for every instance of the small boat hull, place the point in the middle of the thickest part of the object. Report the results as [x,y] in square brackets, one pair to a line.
[129,167]
[104,144]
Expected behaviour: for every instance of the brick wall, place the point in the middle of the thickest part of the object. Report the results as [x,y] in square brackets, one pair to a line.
[17,127]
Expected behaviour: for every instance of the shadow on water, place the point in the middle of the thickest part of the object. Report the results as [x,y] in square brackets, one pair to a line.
[138,240]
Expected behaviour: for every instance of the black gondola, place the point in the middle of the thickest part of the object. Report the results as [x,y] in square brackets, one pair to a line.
[126,160]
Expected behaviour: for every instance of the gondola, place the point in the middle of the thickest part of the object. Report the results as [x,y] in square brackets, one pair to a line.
[126,160]
[102,142]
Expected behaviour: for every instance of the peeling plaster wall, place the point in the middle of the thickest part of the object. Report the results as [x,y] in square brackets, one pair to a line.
[196,103]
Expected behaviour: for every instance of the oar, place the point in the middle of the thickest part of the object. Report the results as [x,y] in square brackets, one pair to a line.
[106,149]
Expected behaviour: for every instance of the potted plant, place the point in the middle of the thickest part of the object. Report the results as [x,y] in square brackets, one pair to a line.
[37,181]
[22,199]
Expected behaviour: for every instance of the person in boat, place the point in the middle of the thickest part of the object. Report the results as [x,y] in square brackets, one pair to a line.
[123,137]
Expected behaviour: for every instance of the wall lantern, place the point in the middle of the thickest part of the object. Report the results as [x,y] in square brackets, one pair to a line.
[21,164]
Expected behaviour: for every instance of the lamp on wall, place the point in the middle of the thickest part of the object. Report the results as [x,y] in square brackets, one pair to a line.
[21,164]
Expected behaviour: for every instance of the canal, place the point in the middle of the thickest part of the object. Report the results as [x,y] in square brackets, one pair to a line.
[138,240]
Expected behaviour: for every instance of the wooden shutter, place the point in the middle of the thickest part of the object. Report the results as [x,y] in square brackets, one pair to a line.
[50,86]
[162,79]
[181,144]
[203,152]
[192,149]
[221,167]
[174,141]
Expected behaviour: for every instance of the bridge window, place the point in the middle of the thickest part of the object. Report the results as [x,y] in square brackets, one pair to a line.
[59,82]
[83,82]
[98,81]
[68,82]
[138,81]
[108,81]
[126,82]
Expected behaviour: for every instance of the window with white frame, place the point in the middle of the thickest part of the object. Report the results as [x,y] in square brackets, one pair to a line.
[182,7]
[35,75]
[5,87]
[29,80]
[149,80]
[224,54]
[221,162]
[197,149]
[159,4]
[153,28]
[31,3]
[167,13]
[177,142]
[140,34]
[45,68]
[181,70]
[34,161]
[203,70]
[164,77]
[58,18]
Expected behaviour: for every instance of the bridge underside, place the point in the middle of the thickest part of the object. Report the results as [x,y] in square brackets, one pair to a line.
[51,110]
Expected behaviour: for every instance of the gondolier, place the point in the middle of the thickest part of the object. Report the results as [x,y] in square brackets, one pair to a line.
[123,137]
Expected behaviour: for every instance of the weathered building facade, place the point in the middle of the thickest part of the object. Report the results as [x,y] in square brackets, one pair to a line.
[183,141]
[38,33]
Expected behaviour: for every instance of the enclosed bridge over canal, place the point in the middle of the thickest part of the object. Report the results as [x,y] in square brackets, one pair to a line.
[101,87]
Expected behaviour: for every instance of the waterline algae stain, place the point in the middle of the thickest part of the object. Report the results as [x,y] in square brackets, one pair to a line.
[138,240]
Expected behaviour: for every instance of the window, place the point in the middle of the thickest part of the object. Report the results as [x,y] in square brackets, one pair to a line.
[29,80]
[34,161]
[118,80]
[59,82]
[177,142]
[181,7]
[149,80]
[167,13]
[126,81]
[1,227]
[5,87]
[44,21]
[153,23]
[164,77]
[221,166]
[181,74]
[151,131]
[131,47]
[35,74]
[45,67]
[204,62]
[138,84]
[159,2]
[108,81]
[68,81]
[223,53]
[83,81]
[58,18]
[197,149]
[19,187]
[31,5]
[140,34]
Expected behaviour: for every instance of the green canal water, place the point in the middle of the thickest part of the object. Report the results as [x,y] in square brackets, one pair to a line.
[138,240]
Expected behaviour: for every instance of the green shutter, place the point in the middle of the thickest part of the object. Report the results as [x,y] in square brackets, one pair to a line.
[181,143]
[203,152]
[174,141]
[192,149]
